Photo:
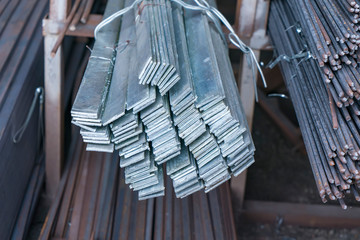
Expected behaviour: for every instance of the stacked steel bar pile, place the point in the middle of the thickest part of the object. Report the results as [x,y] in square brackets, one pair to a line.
[160,130]
[153,25]
[156,95]
[182,96]
[324,88]
[21,72]
[93,201]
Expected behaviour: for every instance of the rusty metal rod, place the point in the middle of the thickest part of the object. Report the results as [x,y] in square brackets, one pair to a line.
[324,91]
[66,26]
[87,11]
[77,15]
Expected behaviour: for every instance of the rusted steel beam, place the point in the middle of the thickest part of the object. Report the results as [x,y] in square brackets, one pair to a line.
[251,22]
[247,94]
[82,30]
[54,113]
[70,170]
[109,208]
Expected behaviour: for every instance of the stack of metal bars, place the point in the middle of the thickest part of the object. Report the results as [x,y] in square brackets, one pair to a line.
[128,131]
[139,96]
[124,93]
[146,177]
[186,116]
[157,64]
[160,130]
[131,141]
[129,137]
[87,112]
[210,75]
[124,127]
[98,139]
[183,172]
[330,132]
[232,132]
[211,165]
[137,120]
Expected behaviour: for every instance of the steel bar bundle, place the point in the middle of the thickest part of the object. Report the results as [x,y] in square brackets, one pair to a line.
[319,41]
[156,95]
[21,72]
[93,201]
[154,25]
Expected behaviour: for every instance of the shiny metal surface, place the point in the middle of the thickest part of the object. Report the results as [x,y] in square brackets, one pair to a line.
[172,98]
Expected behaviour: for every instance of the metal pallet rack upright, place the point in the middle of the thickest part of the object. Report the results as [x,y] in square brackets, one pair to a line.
[250,25]
[54,87]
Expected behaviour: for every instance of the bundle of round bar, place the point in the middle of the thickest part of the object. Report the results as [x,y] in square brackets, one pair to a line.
[325,87]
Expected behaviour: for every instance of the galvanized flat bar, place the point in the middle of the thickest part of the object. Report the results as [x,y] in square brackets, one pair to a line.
[143,36]
[97,75]
[205,73]
[154,189]
[116,101]
[185,85]
[138,96]
[179,162]
[100,147]
[124,162]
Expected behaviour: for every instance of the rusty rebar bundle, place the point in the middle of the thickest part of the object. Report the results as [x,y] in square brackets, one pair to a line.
[320,41]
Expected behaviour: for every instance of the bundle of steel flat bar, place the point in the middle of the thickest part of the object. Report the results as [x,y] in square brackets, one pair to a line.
[330,132]
[186,116]
[183,172]
[93,201]
[217,98]
[153,29]
[21,72]
[160,130]
[160,97]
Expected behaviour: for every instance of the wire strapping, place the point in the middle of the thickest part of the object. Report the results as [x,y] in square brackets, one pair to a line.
[212,13]
[103,58]
[303,55]
[114,16]
[278,95]
[38,95]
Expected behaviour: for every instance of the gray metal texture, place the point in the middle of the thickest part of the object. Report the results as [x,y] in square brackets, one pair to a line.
[205,72]
[170,99]
[91,97]
[22,71]
[109,202]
